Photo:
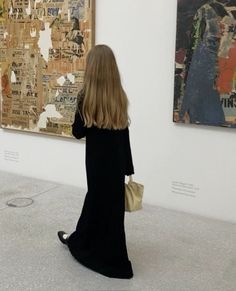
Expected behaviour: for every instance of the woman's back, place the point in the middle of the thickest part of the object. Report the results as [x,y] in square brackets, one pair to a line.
[99,240]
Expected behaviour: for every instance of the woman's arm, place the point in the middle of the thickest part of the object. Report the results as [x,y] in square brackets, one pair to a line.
[78,128]
[129,170]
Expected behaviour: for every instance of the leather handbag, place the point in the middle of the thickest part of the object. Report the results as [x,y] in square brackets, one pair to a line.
[133,195]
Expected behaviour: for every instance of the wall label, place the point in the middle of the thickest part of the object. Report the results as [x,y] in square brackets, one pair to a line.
[11,156]
[186,189]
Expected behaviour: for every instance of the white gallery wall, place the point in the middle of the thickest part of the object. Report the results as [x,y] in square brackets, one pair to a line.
[188,168]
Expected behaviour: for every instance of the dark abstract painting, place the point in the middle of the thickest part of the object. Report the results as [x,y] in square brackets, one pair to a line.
[205,64]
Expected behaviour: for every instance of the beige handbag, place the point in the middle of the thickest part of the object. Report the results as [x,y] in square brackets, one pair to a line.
[133,195]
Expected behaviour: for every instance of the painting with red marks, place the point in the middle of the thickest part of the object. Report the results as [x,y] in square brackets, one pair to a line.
[205,63]
[43,49]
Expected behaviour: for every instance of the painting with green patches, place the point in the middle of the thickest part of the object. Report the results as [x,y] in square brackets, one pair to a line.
[205,63]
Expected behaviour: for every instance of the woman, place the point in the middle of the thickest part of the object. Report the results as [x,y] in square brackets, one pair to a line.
[99,241]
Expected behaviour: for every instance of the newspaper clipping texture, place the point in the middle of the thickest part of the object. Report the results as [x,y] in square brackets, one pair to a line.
[43,47]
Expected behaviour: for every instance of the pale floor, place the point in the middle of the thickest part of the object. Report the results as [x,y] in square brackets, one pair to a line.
[169,250]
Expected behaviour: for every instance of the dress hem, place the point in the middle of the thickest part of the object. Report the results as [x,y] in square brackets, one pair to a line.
[112,273]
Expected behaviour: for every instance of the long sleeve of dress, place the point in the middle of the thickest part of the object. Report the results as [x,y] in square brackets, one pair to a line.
[78,128]
[129,161]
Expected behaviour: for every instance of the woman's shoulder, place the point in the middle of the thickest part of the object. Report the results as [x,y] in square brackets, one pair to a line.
[80,94]
[80,98]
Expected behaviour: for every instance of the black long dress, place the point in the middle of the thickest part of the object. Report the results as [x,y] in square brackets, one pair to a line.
[99,241]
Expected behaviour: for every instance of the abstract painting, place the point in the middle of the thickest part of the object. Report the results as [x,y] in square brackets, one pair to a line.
[43,48]
[205,63]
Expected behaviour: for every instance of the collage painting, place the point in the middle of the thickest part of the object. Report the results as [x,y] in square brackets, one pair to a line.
[43,48]
[205,63]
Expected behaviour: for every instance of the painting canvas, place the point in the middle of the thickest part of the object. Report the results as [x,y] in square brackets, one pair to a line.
[43,48]
[205,63]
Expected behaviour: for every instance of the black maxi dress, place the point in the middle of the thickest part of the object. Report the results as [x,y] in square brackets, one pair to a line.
[99,241]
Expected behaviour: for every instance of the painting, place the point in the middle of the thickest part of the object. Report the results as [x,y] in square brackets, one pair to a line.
[43,49]
[205,63]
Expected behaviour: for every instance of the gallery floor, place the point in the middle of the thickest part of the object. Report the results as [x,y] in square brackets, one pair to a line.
[169,250]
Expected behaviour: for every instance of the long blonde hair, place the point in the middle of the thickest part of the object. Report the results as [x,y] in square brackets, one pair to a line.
[105,104]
